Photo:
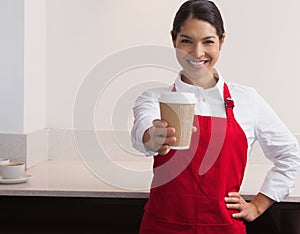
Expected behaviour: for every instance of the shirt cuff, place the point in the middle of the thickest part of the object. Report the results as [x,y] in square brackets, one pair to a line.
[137,141]
[276,180]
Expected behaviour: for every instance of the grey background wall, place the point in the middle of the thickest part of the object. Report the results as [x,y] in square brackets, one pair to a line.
[22,66]
[11,65]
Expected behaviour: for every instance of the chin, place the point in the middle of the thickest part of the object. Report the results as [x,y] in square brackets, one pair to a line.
[193,74]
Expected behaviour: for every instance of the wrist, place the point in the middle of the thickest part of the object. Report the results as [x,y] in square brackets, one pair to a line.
[261,203]
[258,209]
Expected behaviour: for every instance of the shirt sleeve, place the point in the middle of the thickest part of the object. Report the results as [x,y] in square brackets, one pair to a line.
[146,110]
[281,147]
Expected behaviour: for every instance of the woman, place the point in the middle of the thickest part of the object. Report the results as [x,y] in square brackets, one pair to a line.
[209,202]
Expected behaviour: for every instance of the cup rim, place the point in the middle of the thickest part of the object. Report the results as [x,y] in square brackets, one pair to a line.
[14,164]
[4,159]
[177,98]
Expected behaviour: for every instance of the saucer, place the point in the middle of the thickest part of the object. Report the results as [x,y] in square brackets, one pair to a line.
[22,179]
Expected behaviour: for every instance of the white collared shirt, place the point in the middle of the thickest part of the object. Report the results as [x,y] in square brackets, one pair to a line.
[255,117]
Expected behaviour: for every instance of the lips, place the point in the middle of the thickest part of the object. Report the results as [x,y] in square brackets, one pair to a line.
[197,64]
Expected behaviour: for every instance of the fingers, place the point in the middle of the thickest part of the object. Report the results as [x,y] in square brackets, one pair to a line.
[162,132]
[234,201]
[245,210]
[239,215]
[159,137]
[234,194]
[159,123]
[233,197]
[163,150]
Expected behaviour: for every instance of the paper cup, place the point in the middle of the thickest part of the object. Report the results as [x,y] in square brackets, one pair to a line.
[178,108]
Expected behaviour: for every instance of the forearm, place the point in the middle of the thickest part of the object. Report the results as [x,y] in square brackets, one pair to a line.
[147,140]
[262,203]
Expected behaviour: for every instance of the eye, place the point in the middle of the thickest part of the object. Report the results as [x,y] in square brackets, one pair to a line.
[208,42]
[185,41]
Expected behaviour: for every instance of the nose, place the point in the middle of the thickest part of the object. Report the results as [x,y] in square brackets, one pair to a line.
[197,51]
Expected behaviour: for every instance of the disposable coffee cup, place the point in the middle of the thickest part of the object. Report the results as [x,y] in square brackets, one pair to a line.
[178,108]
[12,170]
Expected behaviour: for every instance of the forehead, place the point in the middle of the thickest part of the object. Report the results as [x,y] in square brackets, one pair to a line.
[197,28]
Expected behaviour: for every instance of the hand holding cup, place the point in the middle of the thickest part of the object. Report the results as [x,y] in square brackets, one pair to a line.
[175,128]
[159,137]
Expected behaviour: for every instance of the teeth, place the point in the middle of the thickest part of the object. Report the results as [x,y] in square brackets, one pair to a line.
[196,63]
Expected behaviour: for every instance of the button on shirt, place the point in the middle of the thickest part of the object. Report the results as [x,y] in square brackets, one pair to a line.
[255,117]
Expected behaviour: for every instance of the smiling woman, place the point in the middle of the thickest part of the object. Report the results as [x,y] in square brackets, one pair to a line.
[198,32]
[229,118]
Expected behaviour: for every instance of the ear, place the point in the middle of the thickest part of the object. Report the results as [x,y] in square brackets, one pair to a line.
[222,40]
[174,42]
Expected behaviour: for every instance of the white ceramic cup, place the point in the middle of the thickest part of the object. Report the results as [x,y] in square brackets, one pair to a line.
[4,161]
[12,170]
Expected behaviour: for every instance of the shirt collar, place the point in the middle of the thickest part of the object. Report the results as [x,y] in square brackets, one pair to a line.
[184,87]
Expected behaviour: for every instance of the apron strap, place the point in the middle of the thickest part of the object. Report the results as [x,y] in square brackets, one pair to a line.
[173,88]
[228,101]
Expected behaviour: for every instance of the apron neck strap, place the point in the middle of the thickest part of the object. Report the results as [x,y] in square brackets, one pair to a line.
[228,101]
[173,88]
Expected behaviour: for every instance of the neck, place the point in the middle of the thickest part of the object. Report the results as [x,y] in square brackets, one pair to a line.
[205,81]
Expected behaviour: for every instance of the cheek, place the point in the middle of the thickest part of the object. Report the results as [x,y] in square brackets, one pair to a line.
[181,46]
[215,52]
[180,54]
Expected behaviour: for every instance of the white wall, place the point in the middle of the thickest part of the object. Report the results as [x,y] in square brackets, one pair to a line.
[82,33]
[11,65]
[35,65]
[261,48]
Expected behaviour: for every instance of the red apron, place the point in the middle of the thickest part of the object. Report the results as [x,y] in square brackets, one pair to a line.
[191,200]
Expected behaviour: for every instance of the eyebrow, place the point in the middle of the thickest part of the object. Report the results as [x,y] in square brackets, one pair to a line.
[205,38]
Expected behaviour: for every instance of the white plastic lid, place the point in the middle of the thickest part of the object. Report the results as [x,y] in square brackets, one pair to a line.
[177,98]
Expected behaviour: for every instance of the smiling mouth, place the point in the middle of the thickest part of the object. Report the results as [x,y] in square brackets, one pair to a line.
[197,64]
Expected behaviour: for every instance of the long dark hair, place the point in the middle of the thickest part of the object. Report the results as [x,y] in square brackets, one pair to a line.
[199,9]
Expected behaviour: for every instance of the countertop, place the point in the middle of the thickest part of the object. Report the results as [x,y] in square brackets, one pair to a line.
[73,178]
